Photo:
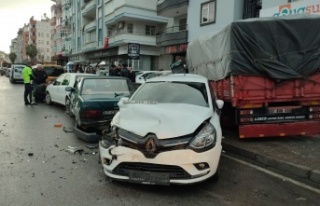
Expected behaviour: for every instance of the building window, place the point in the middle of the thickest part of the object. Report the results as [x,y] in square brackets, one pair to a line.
[130,28]
[183,24]
[150,30]
[208,12]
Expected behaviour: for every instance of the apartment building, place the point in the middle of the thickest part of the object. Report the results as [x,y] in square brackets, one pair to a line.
[40,36]
[60,31]
[116,32]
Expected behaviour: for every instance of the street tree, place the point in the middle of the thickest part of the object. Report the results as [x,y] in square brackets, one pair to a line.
[12,57]
[32,52]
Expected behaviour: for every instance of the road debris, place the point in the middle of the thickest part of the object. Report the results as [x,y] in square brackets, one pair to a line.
[69,129]
[30,154]
[57,125]
[73,150]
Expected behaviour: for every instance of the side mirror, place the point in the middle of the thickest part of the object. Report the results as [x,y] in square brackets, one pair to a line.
[219,103]
[123,101]
[69,89]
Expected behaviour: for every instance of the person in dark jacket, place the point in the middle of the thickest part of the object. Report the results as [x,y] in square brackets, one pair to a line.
[40,92]
[40,76]
[125,71]
[132,75]
[113,70]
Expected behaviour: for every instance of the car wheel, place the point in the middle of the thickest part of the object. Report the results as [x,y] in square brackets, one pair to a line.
[12,81]
[68,107]
[48,99]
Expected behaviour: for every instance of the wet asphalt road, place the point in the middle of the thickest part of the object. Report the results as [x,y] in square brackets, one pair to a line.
[36,169]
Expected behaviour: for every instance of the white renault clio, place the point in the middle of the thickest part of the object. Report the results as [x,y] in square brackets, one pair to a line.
[168,132]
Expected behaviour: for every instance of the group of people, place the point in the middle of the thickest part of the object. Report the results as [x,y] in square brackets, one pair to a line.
[34,84]
[122,71]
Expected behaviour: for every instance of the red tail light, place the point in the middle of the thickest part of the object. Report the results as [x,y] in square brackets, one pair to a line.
[91,113]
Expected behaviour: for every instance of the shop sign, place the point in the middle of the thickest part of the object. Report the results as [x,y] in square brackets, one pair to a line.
[134,50]
[176,48]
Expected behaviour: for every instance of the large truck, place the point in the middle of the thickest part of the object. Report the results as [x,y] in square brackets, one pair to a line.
[267,72]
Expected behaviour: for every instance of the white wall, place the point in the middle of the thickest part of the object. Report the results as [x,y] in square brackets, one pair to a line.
[227,12]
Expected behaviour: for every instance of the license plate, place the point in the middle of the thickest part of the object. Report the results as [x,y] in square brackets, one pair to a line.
[280,111]
[150,178]
[110,112]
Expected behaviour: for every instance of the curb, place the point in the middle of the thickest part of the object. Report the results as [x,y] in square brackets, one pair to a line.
[296,170]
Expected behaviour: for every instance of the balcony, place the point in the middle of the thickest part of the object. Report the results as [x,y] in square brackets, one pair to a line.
[33,38]
[53,21]
[33,30]
[89,46]
[172,35]
[90,26]
[89,9]
[117,38]
[169,8]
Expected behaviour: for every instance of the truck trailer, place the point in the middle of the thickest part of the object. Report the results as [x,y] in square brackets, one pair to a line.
[267,72]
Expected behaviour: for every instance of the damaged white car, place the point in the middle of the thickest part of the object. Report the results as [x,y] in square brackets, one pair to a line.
[168,132]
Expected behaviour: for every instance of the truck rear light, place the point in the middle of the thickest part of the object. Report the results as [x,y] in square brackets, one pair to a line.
[314,109]
[248,119]
[247,111]
[314,116]
[91,113]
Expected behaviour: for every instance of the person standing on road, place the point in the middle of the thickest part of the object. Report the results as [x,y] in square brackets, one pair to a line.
[27,76]
[40,76]
[125,71]
[113,70]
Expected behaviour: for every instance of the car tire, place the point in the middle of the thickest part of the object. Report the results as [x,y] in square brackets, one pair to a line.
[12,81]
[68,107]
[48,99]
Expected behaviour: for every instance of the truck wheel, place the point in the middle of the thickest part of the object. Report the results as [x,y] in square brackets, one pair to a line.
[12,81]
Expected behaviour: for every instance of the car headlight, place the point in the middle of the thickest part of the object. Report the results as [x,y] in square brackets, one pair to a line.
[205,139]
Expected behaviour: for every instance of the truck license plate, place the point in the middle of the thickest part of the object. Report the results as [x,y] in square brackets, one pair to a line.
[280,111]
[150,178]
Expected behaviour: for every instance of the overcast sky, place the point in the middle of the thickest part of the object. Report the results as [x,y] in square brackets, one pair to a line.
[15,13]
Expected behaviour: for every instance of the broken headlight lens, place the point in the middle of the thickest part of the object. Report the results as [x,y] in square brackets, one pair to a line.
[205,139]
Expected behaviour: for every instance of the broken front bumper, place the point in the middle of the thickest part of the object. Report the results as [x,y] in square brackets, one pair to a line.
[171,167]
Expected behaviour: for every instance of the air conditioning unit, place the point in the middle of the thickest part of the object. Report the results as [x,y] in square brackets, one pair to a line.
[121,25]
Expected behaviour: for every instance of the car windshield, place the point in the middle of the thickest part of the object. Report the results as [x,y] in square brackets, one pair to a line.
[172,92]
[113,87]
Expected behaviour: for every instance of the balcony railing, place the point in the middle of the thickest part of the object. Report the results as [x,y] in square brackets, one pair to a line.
[172,35]
[124,36]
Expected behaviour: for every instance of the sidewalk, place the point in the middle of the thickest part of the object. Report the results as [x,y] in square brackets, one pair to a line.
[299,156]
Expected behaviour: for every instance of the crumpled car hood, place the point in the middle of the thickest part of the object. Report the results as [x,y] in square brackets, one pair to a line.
[164,120]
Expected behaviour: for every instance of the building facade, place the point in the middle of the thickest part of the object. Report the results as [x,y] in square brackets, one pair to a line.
[110,30]
[172,38]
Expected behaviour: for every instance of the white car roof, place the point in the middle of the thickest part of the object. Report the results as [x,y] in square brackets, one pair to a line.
[180,78]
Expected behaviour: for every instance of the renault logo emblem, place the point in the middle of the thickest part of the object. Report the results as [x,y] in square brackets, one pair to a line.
[150,146]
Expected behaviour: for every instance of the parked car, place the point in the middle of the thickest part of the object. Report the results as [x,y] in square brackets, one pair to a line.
[53,71]
[93,103]
[168,132]
[8,72]
[3,70]
[56,93]
[15,73]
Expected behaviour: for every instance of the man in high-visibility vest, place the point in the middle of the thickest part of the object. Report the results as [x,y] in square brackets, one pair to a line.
[27,76]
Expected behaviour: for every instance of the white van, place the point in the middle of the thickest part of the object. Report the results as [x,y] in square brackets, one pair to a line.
[16,73]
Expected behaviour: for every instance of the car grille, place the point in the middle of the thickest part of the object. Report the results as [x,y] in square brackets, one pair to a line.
[133,141]
[174,172]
